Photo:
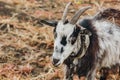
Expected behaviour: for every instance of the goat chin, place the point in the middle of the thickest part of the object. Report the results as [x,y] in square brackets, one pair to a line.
[58,64]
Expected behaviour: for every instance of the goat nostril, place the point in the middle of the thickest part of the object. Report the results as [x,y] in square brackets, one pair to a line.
[55,61]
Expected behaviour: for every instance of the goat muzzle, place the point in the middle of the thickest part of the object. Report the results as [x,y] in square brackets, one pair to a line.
[55,62]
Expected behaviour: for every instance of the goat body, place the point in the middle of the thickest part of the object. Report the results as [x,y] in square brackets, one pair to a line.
[87,45]
[104,47]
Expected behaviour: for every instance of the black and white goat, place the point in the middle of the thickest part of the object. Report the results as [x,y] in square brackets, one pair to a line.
[85,45]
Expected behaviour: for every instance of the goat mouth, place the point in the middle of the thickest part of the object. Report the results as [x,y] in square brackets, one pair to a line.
[57,64]
[68,60]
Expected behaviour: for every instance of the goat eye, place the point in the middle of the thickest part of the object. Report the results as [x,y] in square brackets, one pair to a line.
[73,39]
[63,41]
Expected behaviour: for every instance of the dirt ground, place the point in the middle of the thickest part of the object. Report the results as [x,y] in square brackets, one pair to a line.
[26,45]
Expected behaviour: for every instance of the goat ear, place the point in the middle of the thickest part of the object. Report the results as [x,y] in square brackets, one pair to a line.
[85,32]
[50,23]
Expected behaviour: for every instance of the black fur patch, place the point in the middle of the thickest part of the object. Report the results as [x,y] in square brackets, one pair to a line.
[74,35]
[87,62]
[84,66]
[108,14]
[62,50]
[87,23]
[66,22]
[63,41]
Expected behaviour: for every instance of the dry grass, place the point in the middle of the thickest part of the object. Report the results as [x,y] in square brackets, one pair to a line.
[25,44]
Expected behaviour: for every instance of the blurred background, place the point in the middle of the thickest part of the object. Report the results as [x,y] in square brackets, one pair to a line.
[26,45]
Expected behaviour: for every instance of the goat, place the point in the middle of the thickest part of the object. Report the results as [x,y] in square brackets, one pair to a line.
[85,45]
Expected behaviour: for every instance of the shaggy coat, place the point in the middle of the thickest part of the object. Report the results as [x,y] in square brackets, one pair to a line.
[88,44]
[104,47]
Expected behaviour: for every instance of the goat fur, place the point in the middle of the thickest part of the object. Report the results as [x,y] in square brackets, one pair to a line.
[104,47]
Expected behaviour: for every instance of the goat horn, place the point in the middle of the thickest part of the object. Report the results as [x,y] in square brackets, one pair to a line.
[65,12]
[78,14]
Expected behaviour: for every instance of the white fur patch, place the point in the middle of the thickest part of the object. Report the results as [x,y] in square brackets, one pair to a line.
[109,42]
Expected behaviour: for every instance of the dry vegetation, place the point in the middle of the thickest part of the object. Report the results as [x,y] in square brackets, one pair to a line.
[26,44]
